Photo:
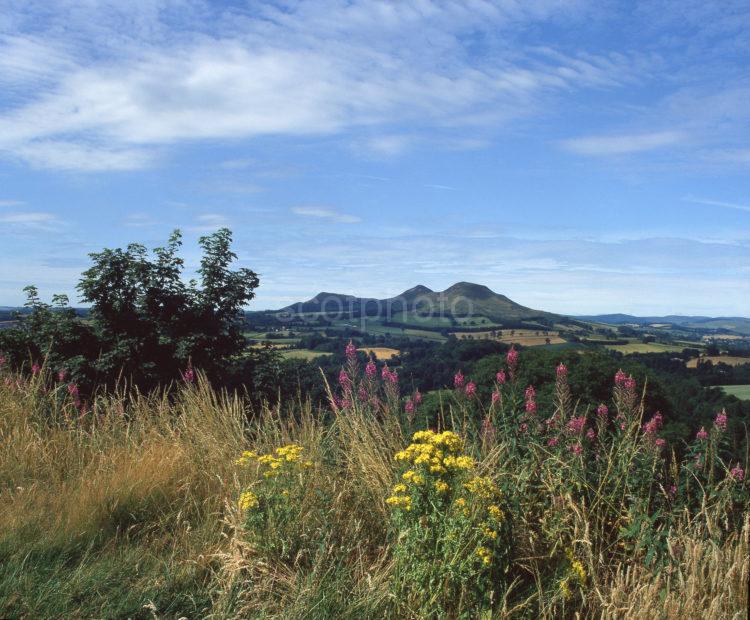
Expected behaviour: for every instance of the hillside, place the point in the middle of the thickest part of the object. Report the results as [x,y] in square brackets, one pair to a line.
[463,299]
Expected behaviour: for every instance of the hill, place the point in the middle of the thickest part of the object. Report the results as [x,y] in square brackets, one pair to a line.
[740,325]
[463,299]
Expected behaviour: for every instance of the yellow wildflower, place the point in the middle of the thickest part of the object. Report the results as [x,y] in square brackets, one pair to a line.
[579,571]
[421,459]
[565,589]
[496,512]
[441,486]
[489,533]
[248,500]
[485,555]
[408,475]
[399,501]
[482,487]
[399,488]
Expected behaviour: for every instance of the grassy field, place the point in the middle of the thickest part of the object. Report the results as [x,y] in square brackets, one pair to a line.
[412,318]
[729,360]
[523,337]
[381,353]
[645,347]
[139,508]
[740,391]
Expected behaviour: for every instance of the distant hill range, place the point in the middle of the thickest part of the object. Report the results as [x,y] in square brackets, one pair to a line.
[461,299]
[730,323]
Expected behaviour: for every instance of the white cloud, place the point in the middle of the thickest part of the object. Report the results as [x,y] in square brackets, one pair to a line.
[11,203]
[29,221]
[326,214]
[27,218]
[309,69]
[623,144]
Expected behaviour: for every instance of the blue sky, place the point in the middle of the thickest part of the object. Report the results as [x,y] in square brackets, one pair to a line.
[579,157]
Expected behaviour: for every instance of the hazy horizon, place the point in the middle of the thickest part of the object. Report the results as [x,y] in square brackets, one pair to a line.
[578,157]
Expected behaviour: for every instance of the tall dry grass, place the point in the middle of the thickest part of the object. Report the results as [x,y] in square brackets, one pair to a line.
[131,511]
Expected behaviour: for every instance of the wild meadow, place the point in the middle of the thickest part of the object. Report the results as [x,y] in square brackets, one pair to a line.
[189,502]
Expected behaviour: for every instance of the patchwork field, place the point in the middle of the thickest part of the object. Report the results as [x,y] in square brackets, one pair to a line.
[740,391]
[729,360]
[645,347]
[382,353]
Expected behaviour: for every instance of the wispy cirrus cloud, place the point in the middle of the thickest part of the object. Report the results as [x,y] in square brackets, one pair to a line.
[623,144]
[29,220]
[301,70]
[717,203]
[326,213]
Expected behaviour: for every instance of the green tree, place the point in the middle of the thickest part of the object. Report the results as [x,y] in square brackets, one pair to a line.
[145,323]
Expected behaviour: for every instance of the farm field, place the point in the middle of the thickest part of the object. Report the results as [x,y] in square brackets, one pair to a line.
[645,347]
[412,318]
[527,338]
[740,391]
[382,353]
[729,360]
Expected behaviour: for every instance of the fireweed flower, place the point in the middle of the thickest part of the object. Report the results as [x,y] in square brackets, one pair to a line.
[653,425]
[351,351]
[362,393]
[602,411]
[576,425]
[530,397]
[344,381]
[188,376]
[61,374]
[721,420]
[561,371]
[409,406]
[458,380]
[496,397]
[389,376]
[417,397]
[701,434]
[737,473]
[371,370]
[524,427]
[500,377]
[660,442]
[471,389]
[552,442]
[620,378]
[591,434]
[576,449]
[35,368]
[512,357]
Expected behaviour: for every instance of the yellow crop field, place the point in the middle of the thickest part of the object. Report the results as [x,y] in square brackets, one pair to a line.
[382,353]
[524,337]
[729,360]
